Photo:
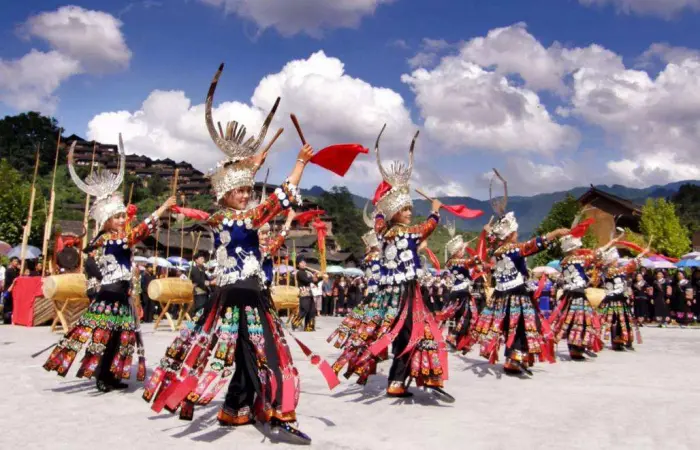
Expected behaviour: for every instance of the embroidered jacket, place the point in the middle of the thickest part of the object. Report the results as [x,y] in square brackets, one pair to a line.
[400,259]
[574,269]
[115,250]
[372,268]
[511,265]
[616,277]
[236,239]
[460,269]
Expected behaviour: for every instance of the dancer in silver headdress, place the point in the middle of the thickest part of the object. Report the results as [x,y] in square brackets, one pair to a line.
[108,327]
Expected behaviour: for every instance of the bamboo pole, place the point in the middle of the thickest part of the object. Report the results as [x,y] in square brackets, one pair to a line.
[52,201]
[86,215]
[173,191]
[28,226]
[182,231]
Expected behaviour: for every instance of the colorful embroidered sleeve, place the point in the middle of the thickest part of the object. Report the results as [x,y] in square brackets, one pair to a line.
[283,198]
[142,230]
[533,246]
[425,229]
[276,243]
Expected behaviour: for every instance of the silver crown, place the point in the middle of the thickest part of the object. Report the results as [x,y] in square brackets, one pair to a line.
[369,238]
[569,243]
[102,184]
[398,176]
[238,169]
[611,255]
[456,243]
[505,226]
[506,223]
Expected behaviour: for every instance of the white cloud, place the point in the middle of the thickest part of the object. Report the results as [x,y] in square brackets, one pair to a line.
[332,107]
[513,50]
[93,38]
[28,83]
[528,177]
[653,169]
[668,54]
[82,41]
[466,106]
[650,116]
[293,17]
[661,8]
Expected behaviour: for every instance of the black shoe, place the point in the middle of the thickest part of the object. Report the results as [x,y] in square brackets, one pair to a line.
[119,385]
[286,432]
[590,353]
[441,394]
[102,386]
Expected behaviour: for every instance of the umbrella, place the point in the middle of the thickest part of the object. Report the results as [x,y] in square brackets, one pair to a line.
[556,264]
[334,270]
[544,269]
[662,264]
[31,252]
[353,272]
[284,268]
[140,259]
[688,263]
[691,255]
[160,262]
[177,261]
[5,248]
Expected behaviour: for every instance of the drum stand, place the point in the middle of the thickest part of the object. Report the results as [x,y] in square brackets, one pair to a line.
[183,312]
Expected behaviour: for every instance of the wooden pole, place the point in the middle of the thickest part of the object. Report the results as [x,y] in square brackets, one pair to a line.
[196,247]
[28,226]
[52,201]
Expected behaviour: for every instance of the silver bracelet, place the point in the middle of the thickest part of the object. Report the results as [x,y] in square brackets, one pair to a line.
[301,160]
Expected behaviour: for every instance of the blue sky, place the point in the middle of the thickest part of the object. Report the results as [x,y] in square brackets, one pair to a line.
[556,93]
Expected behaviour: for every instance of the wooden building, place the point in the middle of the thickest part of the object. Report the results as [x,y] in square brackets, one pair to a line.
[609,212]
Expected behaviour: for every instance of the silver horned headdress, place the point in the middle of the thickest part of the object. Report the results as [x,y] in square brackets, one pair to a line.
[506,222]
[238,169]
[456,242]
[398,176]
[104,186]
[369,238]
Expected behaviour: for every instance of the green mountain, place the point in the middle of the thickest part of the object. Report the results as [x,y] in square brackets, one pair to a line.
[531,210]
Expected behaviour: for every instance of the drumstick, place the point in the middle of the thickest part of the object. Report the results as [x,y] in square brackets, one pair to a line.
[298,127]
[423,194]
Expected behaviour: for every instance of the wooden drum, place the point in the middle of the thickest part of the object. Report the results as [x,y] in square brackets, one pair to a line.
[166,289]
[285,297]
[65,287]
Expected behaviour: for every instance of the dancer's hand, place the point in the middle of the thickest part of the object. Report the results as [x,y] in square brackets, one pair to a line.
[436,205]
[290,218]
[305,154]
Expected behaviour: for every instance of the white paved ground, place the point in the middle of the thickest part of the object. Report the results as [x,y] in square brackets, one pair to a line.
[642,400]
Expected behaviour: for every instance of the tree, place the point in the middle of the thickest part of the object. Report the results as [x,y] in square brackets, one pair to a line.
[19,137]
[659,220]
[561,215]
[348,226]
[687,201]
[15,192]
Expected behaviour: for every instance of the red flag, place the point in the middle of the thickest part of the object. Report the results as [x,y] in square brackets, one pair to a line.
[191,213]
[304,217]
[471,251]
[579,230]
[463,212]
[382,189]
[433,259]
[338,158]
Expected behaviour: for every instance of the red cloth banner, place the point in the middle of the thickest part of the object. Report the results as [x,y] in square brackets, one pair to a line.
[24,293]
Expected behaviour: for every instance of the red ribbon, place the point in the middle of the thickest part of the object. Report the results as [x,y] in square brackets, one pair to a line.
[433,259]
[322,364]
[191,213]
[338,158]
